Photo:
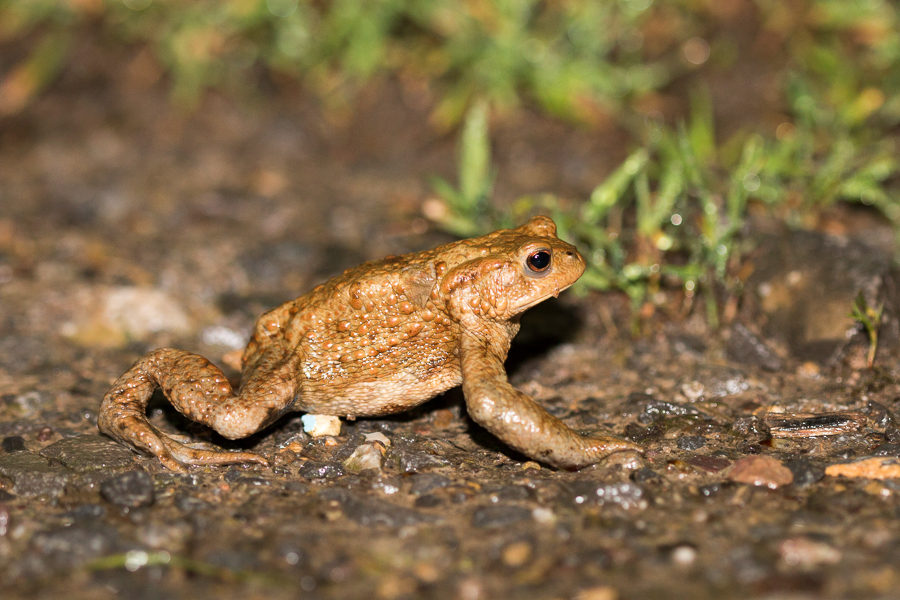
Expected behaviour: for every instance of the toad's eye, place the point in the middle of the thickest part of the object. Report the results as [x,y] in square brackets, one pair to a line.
[538,261]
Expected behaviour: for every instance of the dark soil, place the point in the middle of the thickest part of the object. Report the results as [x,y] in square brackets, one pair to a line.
[126,225]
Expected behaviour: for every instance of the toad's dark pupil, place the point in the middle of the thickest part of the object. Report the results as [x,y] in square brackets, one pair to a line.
[539,260]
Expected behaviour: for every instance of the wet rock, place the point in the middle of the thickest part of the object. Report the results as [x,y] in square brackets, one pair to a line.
[413,461]
[33,475]
[645,475]
[13,443]
[804,283]
[745,348]
[805,471]
[690,442]
[496,516]
[639,434]
[423,483]
[648,409]
[625,494]
[373,511]
[349,447]
[763,471]
[887,450]
[89,453]
[313,469]
[132,489]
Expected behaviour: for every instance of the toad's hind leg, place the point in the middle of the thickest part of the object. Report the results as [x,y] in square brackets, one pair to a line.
[200,391]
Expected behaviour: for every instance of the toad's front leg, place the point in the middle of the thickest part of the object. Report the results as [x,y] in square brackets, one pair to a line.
[201,392]
[518,420]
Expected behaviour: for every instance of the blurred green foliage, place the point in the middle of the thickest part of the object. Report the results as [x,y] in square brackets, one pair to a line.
[572,57]
[674,211]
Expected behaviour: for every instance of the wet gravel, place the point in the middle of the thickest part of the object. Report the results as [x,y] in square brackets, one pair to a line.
[125,227]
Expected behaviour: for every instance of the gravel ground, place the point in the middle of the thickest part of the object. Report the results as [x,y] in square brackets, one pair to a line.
[771,452]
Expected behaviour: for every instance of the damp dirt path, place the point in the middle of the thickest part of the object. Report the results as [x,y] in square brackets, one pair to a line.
[126,225]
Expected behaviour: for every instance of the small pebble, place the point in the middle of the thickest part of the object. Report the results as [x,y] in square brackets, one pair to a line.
[321,425]
[516,554]
[368,456]
[684,556]
[763,471]
[13,443]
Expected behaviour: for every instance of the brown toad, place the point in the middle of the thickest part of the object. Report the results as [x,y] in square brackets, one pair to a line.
[379,339]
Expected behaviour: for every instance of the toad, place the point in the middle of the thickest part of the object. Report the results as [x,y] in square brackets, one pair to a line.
[381,338]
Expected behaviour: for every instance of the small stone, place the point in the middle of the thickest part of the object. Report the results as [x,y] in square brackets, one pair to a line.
[805,472]
[13,443]
[321,425]
[32,475]
[870,468]
[763,471]
[428,501]
[368,456]
[516,554]
[690,442]
[132,489]
[88,452]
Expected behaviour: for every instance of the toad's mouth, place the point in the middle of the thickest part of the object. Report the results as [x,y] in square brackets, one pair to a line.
[554,293]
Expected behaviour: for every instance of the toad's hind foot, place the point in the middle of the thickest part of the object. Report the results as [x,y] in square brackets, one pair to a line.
[185,454]
[200,391]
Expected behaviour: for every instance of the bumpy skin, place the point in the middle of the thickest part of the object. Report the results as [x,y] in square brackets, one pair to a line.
[381,338]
